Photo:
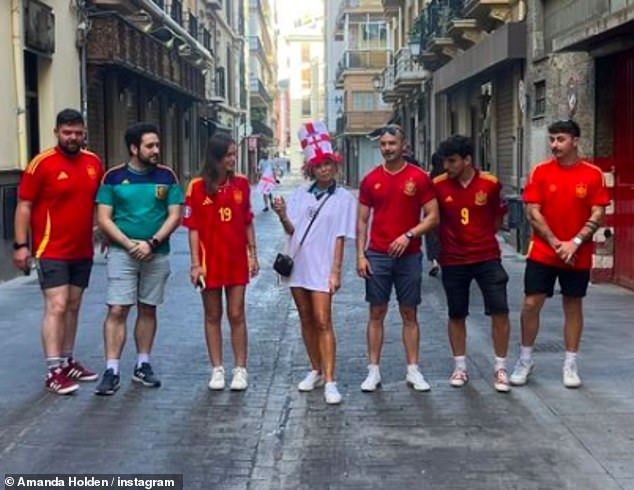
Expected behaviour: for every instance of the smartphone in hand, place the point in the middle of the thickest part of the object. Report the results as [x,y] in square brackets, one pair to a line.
[200,284]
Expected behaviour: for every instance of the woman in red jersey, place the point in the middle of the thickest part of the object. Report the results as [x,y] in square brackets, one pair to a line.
[222,249]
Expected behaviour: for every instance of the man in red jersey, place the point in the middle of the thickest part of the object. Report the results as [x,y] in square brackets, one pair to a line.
[471,212]
[565,201]
[394,193]
[56,201]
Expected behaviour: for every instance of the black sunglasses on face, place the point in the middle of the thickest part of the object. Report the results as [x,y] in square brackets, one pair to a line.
[391,129]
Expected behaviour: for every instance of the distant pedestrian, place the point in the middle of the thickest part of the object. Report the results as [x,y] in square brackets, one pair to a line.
[565,201]
[471,212]
[139,207]
[394,194]
[321,214]
[432,241]
[267,180]
[223,254]
[56,203]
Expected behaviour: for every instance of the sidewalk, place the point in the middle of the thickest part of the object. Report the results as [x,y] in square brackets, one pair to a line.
[541,436]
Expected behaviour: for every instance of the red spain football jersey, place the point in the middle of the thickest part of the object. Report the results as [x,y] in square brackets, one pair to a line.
[396,200]
[566,196]
[221,221]
[62,191]
[467,218]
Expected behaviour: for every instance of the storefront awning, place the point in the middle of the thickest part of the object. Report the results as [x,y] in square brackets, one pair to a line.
[504,44]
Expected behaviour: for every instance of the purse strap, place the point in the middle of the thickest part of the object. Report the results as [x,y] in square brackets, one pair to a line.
[312,220]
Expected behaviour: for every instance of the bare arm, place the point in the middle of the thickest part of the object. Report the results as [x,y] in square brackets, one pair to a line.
[173,221]
[335,274]
[195,269]
[431,218]
[22,224]
[568,249]
[111,230]
[539,225]
[254,266]
[363,217]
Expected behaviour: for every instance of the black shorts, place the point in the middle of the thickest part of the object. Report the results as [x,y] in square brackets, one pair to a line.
[53,273]
[491,279]
[540,279]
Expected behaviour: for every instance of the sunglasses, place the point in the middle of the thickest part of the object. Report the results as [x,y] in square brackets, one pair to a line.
[392,129]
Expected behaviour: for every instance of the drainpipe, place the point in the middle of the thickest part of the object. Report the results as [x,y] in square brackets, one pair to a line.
[20,90]
[181,32]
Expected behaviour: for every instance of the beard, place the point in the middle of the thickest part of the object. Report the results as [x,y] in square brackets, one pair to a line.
[149,161]
[70,148]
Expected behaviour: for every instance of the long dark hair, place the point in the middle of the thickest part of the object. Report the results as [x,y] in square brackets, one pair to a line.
[217,148]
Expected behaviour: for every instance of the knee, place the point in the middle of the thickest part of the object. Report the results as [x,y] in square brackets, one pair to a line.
[73,305]
[377,313]
[322,323]
[118,312]
[409,316]
[146,310]
[532,305]
[235,317]
[57,307]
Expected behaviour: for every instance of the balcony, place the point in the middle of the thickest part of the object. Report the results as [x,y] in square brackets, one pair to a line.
[256,46]
[391,7]
[361,61]
[409,74]
[357,7]
[388,86]
[490,13]
[435,23]
[260,97]
[465,32]
[362,122]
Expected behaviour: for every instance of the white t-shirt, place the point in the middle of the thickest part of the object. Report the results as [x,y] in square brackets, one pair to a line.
[314,259]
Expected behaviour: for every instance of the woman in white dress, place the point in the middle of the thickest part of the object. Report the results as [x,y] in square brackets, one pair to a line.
[316,274]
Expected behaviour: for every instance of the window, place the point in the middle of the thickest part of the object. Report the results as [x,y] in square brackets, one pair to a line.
[540,98]
[305,53]
[363,101]
[368,35]
[306,106]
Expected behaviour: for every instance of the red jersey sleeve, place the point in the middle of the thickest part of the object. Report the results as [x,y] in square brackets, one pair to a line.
[189,215]
[600,195]
[427,192]
[365,194]
[31,182]
[533,190]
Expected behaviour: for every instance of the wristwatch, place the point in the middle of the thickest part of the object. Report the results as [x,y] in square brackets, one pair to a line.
[409,235]
[154,242]
[577,241]
[18,246]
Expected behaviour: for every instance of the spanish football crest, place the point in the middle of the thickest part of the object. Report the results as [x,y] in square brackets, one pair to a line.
[237,196]
[92,173]
[410,188]
[161,192]
[581,190]
[481,198]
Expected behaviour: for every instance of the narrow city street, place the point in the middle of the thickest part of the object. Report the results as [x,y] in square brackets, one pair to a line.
[541,436]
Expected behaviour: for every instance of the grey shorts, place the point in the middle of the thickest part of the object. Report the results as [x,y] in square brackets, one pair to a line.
[131,281]
[404,273]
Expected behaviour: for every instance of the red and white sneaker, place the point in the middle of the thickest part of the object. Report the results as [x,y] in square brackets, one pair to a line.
[459,378]
[75,370]
[58,382]
[501,381]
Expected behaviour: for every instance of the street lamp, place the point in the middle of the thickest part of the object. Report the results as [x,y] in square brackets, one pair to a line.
[414,46]
[377,83]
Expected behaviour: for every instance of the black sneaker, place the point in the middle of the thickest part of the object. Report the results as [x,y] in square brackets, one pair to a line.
[145,376]
[109,383]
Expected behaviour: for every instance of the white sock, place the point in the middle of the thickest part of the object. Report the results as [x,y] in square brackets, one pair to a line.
[526,353]
[373,367]
[570,359]
[412,367]
[141,358]
[461,362]
[500,363]
[113,364]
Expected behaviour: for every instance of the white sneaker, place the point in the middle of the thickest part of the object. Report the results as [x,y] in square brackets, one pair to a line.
[373,380]
[239,381]
[217,381]
[312,380]
[416,380]
[571,376]
[521,372]
[501,381]
[331,394]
